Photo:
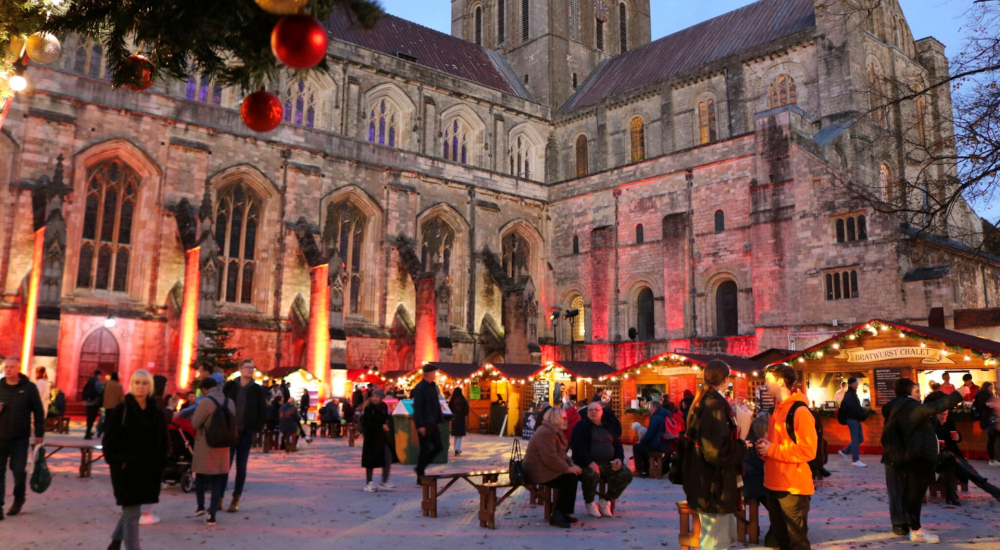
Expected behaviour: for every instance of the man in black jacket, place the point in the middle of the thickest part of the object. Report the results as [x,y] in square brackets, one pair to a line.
[598,450]
[19,401]
[910,455]
[855,414]
[251,413]
[427,417]
[713,459]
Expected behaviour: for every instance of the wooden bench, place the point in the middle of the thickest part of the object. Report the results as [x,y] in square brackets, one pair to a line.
[352,434]
[748,522]
[313,428]
[488,501]
[87,448]
[271,440]
[429,486]
[690,535]
[937,488]
[330,429]
[57,424]
[656,459]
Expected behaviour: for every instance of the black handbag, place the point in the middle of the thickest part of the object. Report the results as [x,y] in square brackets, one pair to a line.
[516,467]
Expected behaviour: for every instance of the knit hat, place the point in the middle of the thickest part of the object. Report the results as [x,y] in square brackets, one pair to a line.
[379,392]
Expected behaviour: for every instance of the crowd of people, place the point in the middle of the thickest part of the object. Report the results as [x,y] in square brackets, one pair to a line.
[721,462]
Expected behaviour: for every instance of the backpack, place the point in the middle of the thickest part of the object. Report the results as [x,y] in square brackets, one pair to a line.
[790,425]
[90,390]
[842,415]
[221,431]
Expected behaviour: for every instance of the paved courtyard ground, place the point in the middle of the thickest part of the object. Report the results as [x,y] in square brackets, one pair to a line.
[314,500]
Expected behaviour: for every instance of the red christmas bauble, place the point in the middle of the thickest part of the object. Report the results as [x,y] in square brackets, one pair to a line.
[143,73]
[261,111]
[299,41]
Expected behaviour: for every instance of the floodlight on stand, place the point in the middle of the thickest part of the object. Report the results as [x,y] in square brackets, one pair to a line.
[110,322]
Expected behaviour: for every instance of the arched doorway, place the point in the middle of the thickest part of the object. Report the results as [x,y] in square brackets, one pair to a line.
[726,310]
[645,322]
[99,352]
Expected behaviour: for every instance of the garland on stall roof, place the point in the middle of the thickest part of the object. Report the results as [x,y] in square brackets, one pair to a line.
[873,329]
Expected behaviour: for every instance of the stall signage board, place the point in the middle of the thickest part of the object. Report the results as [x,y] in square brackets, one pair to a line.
[484,392]
[928,356]
[540,393]
[475,392]
[673,371]
[740,388]
[628,390]
[885,385]
[766,401]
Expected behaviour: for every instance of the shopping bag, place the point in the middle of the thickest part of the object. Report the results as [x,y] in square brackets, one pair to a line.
[41,478]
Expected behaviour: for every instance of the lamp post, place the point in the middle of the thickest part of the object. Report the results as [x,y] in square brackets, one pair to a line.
[571,315]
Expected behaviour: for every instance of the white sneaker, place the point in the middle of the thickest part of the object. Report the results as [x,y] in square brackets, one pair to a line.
[994,463]
[859,464]
[844,456]
[149,519]
[605,507]
[923,536]
[386,487]
[592,509]
[371,488]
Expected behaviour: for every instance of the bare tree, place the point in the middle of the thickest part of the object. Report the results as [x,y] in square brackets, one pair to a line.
[941,127]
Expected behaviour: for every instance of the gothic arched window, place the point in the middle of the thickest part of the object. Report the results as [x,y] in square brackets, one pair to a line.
[89,59]
[637,135]
[645,321]
[456,136]
[883,182]
[782,92]
[720,221]
[640,234]
[109,211]
[516,256]
[878,96]
[576,244]
[501,21]
[237,217]
[525,9]
[478,23]
[203,90]
[382,123]
[706,122]
[438,241]
[574,20]
[520,158]
[582,160]
[623,26]
[300,104]
[345,232]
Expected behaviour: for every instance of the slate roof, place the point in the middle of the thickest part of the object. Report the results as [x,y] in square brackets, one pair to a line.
[736,31]
[430,48]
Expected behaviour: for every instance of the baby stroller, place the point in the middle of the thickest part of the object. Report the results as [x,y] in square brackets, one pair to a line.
[181,450]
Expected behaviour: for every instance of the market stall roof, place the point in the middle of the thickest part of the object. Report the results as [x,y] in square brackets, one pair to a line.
[517,371]
[281,372]
[771,355]
[585,369]
[395,374]
[455,370]
[955,338]
[736,363]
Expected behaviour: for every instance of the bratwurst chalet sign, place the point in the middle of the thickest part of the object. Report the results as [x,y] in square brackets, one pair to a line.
[928,356]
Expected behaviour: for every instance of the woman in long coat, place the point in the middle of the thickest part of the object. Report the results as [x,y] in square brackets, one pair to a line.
[460,410]
[135,448]
[378,449]
[210,464]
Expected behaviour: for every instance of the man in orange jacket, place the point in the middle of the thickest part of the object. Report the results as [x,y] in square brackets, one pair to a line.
[787,477]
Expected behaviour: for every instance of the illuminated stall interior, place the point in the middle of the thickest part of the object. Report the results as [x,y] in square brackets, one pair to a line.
[666,377]
[299,381]
[880,352]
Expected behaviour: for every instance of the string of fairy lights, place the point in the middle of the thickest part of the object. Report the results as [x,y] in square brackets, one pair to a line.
[657,362]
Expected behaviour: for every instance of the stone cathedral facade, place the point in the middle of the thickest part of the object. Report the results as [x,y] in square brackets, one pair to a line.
[441,197]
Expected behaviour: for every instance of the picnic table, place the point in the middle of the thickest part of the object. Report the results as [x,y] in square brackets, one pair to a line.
[56,443]
[429,484]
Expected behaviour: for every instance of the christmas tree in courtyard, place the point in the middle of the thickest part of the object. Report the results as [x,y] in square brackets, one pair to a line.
[216,350]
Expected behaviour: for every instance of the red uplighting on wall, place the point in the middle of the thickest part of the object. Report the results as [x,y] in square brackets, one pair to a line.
[31,311]
[189,316]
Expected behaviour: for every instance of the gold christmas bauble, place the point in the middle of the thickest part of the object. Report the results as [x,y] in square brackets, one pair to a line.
[43,48]
[16,48]
[282,7]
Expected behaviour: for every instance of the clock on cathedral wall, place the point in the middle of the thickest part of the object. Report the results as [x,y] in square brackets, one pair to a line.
[601,10]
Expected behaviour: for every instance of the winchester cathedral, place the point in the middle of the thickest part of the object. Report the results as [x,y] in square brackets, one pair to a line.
[451,197]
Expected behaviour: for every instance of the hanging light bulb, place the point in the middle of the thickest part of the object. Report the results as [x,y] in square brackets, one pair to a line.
[110,321]
[17,83]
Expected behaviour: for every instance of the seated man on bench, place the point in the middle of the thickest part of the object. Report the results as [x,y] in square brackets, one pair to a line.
[653,440]
[599,452]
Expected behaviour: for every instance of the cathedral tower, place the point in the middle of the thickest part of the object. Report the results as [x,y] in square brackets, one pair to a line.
[553,45]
